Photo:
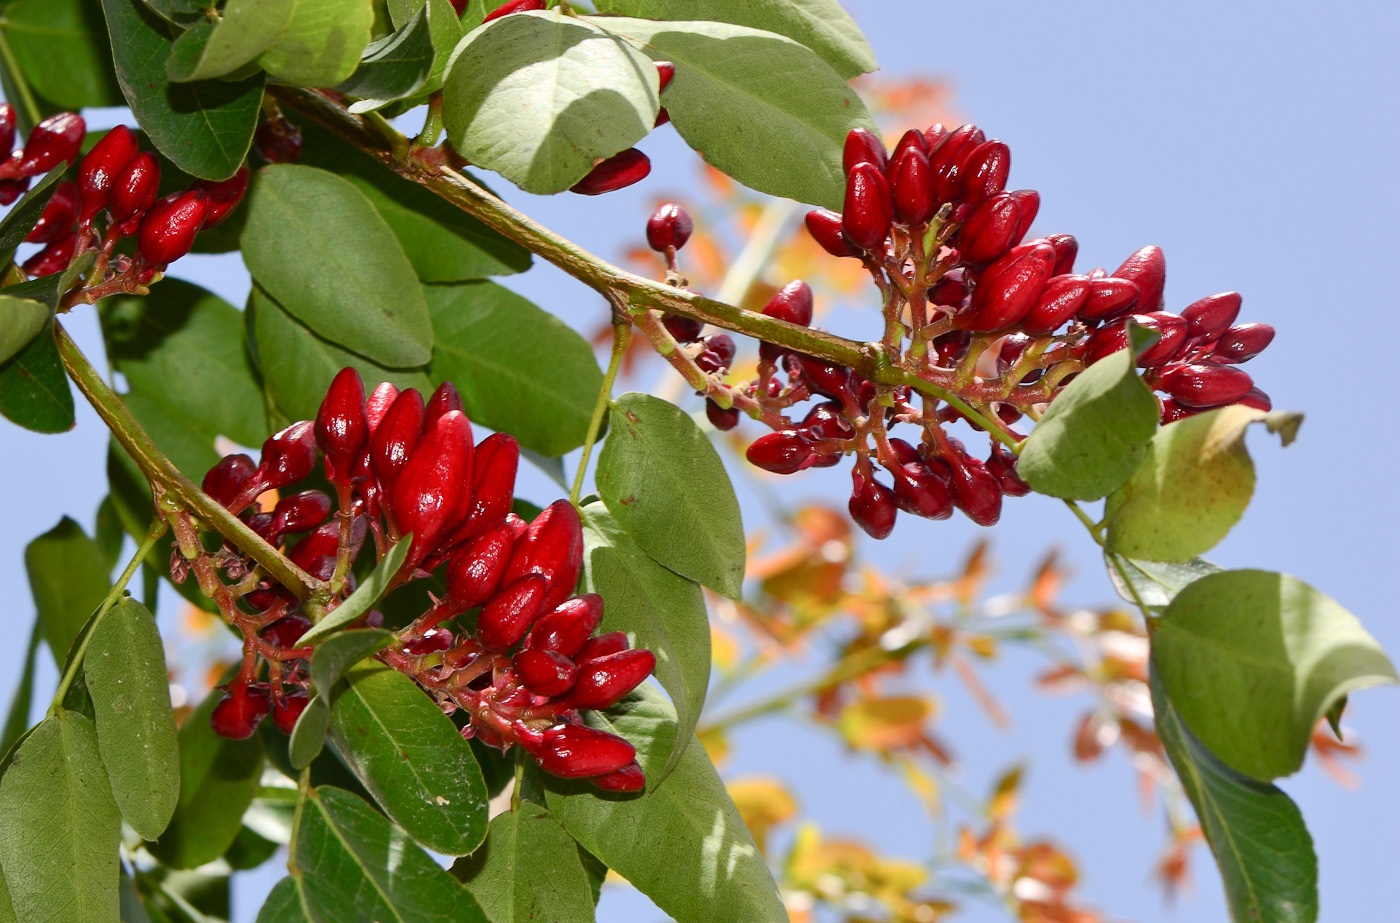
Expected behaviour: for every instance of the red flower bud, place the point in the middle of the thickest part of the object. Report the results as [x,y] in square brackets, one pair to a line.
[1106,341]
[669,227]
[825,421]
[616,172]
[277,140]
[934,135]
[1066,249]
[792,303]
[783,452]
[7,129]
[1110,297]
[722,419]
[57,139]
[544,673]
[1172,411]
[601,646]
[395,439]
[11,189]
[323,543]
[950,158]
[603,681]
[1061,298]
[1205,384]
[98,172]
[1242,343]
[300,512]
[825,378]
[1172,338]
[1009,288]
[224,195]
[287,456]
[684,329]
[986,171]
[286,712]
[991,230]
[493,484]
[1257,399]
[432,488]
[553,548]
[53,258]
[918,490]
[474,571]
[826,229]
[665,72]
[433,641]
[1029,201]
[1002,466]
[342,428]
[911,186]
[286,632]
[566,628]
[975,491]
[572,751]
[226,480]
[913,138]
[951,290]
[514,6]
[508,616]
[1209,317]
[866,219]
[872,505]
[444,399]
[863,146]
[239,712]
[169,228]
[379,402]
[1147,268]
[629,778]
[718,353]
[135,187]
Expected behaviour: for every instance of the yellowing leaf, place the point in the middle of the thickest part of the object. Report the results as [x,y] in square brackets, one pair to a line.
[885,723]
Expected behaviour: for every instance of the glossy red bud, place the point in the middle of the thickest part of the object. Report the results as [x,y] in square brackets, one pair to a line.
[1106,341]
[951,290]
[321,542]
[792,303]
[433,641]
[990,231]
[1172,411]
[11,189]
[300,512]
[98,172]
[57,139]
[616,172]
[669,227]
[913,138]
[868,211]
[1171,330]
[553,548]
[976,491]
[1147,268]
[666,72]
[1205,384]
[474,571]
[506,618]
[986,171]
[1002,466]
[277,140]
[782,452]
[7,129]
[863,146]
[565,628]
[432,488]
[493,484]
[572,751]
[444,399]
[288,456]
[718,353]
[721,418]
[603,681]
[872,505]
[342,426]
[286,712]
[53,258]
[1210,316]
[911,186]
[949,160]
[544,673]
[226,480]
[239,712]
[934,135]
[826,229]
[918,490]
[169,228]
[602,646]
[395,439]
[684,329]
[1029,202]
[1242,343]
[224,195]
[378,403]
[286,632]
[1110,297]
[1009,288]
[826,421]
[1061,298]
[629,778]
[135,187]
[1257,399]
[1066,249]
[514,6]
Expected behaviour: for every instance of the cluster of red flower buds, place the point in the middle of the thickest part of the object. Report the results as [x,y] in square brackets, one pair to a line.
[522,669]
[1002,322]
[115,178]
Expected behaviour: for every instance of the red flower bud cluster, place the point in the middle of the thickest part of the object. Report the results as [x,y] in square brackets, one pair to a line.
[522,670]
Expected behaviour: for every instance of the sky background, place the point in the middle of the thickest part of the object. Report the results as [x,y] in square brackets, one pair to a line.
[1251,141]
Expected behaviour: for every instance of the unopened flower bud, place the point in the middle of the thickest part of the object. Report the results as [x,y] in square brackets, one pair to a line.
[1110,297]
[446,398]
[53,258]
[300,512]
[514,6]
[1242,343]
[616,172]
[240,711]
[135,187]
[432,487]
[990,231]
[553,548]
[868,212]
[1171,330]
[493,484]
[782,452]
[1066,249]
[572,751]
[1209,317]
[826,229]
[98,172]
[226,480]
[395,439]
[911,186]
[1002,466]
[918,490]
[723,419]
[544,673]
[566,627]
[379,402]
[976,491]
[601,646]
[986,171]
[792,303]
[57,139]
[506,618]
[669,227]
[1205,384]
[949,160]
[1009,288]
[863,146]
[286,711]
[474,571]
[872,505]
[287,456]
[665,72]
[169,228]
[224,195]
[603,681]
[1061,298]
[342,427]
[629,778]
[1147,268]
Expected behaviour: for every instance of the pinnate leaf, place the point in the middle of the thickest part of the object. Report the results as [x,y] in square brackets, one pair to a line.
[528,869]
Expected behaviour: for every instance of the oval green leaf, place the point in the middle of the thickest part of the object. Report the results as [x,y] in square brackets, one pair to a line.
[659,609]
[528,870]
[1252,660]
[69,577]
[754,104]
[664,483]
[34,390]
[318,246]
[539,97]
[411,758]
[59,828]
[519,368]
[308,736]
[284,904]
[21,319]
[322,43]
[126,677]
[61,47]
[394,66]
[355,606]
[244,30]
[712,871]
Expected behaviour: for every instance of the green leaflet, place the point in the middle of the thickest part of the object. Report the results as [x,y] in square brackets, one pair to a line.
[527,870]
[69,577]
[61,45]
[322,43]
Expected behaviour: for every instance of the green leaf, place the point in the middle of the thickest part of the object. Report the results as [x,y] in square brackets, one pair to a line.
[446,30]
[1094,435]
[317,245]
[1155,583]
[411,758]
[298,366]
[520,369]
[683,844]
[284,904]
[394,66]
[125,670]
[34,390]
[309,733]
[59,828]
[1252,660]
[528,870]
[17,720]
[69,577]
[1192,487]
[322,43]
[204,127]
[182,348]
[20,220]
[664,483]
[21,319]
[244,30]
[754,104]
[360,601]
[1256,832]
[444,243]
[218,780]
[61,46]
[356,866]
[821,25]
[659,609]
[539,97]
[340,652]
[182,13]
